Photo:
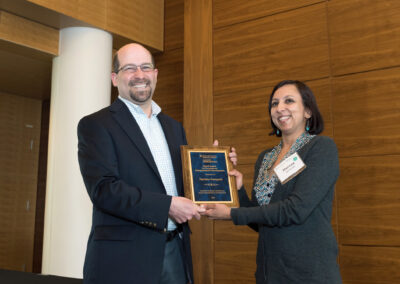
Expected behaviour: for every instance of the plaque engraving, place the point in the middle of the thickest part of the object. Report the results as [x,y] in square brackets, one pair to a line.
[205,174]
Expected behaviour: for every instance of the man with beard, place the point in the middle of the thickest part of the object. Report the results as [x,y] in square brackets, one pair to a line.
[129,156]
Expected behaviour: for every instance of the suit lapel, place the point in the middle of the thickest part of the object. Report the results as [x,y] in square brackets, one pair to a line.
[128,123]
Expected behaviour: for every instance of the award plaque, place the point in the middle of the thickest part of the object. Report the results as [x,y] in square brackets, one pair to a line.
[205,175]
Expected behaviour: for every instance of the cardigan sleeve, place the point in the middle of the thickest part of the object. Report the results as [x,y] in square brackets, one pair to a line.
[310,188]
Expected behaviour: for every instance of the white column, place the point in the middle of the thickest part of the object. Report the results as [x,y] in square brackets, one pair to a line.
[80,86]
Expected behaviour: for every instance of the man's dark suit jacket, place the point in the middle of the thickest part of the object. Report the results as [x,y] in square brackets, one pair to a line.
[130,204]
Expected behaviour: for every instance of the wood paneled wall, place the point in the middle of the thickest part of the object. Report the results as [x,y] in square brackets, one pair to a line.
[198,117]
[169,90]
[348,52]
[19,150]
[24,32]
[135,20]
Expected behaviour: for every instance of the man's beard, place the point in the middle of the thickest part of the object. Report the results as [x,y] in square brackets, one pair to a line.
[140,96]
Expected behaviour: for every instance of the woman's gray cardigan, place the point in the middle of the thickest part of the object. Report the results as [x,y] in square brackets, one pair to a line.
[296,242]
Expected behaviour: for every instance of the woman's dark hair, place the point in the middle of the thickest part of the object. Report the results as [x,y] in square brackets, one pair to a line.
[315,122]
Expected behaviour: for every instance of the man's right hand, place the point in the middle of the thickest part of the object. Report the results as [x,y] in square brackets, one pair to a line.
[183,209]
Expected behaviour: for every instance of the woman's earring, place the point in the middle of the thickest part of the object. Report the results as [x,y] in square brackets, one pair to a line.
[307,125]
[277,132]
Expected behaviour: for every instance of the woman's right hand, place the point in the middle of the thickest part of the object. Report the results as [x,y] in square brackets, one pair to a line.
[239,178]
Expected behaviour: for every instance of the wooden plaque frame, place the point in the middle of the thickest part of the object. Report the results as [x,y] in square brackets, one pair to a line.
[199,183]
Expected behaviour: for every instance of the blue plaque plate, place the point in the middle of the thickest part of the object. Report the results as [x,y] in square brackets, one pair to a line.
[206,175]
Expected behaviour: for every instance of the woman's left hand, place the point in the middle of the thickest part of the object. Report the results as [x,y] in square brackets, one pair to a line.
[232,154]
[217,211]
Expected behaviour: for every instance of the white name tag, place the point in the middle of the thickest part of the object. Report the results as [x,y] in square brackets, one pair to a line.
[289,168]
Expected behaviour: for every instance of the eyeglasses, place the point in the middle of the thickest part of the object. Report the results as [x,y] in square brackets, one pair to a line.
[132,68]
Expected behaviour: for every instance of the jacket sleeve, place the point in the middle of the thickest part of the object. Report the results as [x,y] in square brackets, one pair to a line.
[107,191]
[310,188]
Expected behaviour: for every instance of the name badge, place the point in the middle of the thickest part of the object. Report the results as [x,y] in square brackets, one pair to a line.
[289,168]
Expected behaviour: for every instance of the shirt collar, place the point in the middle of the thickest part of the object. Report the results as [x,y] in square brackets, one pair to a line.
[155,108]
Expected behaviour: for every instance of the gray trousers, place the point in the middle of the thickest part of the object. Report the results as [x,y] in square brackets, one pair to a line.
[173,270]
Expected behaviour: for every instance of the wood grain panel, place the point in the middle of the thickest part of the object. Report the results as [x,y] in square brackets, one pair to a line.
[364,34]
[369,200]
[139,20]
[31,11]
[19,147]
[243,121]
[228,12]
[366,113]
[173,26]
[198,115]
[89,11]
[370,265]
[93,12]
[169,91]
[261,52]
[198,72]
[235,262]
[27,33]
[66,7]
[24,75]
